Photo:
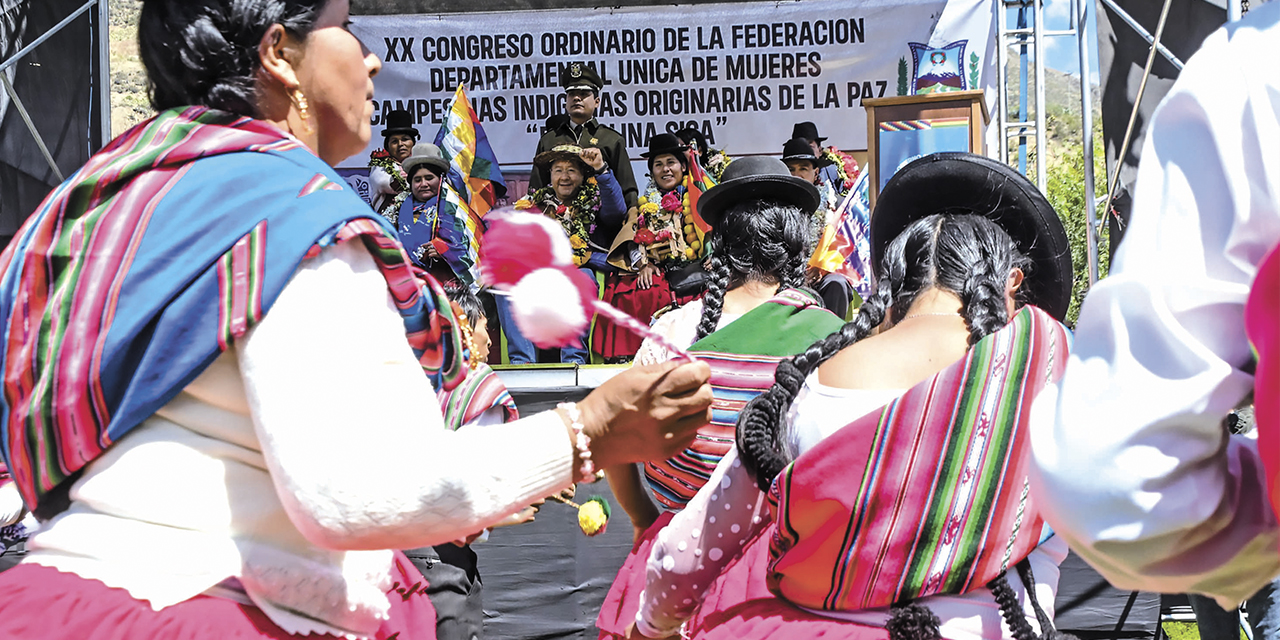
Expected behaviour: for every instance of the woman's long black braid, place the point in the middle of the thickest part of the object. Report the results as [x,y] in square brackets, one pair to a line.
[965,254]
[756,240]
[1010,609]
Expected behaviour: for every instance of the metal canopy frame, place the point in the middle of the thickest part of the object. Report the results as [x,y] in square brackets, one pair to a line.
[104,70]
[1030,42]
[1033,37]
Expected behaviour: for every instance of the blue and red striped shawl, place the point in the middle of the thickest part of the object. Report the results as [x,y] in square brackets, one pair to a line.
[140,269]
[927,495]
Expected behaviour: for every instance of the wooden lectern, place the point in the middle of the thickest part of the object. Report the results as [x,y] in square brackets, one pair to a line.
[903,127]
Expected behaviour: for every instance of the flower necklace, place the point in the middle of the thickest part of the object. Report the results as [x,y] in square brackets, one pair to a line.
[846,167]
[664,225]
[383,160]
[717,160]
[578,217]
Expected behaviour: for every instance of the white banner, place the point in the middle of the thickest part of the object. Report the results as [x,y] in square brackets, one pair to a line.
[742,73]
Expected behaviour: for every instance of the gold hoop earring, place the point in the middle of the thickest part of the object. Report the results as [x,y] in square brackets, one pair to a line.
[300,101]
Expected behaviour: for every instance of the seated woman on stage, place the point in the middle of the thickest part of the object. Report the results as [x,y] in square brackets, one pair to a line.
[895,464]
[218,353]
[656,246]
[415,213]
[583,195]
[753,315]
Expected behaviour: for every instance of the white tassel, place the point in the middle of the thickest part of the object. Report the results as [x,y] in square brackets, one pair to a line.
[548,308]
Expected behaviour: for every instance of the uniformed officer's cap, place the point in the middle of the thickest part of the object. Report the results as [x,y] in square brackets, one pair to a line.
[578,76]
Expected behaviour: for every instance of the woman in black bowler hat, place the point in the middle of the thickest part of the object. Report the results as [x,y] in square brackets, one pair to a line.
[658,248]
[894,452]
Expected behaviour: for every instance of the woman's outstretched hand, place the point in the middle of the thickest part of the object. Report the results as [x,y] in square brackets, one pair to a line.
[647,413]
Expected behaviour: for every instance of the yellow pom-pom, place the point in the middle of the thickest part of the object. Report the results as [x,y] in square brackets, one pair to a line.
[593,516]
[688,229]
[695,245]
[690,254]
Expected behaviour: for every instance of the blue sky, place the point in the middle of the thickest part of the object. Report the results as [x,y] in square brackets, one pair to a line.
[1062,54]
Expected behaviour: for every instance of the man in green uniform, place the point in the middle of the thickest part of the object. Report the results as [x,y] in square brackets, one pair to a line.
[582,95]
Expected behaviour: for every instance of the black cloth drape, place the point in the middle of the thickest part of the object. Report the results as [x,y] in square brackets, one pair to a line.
[58,82]
[1122,56]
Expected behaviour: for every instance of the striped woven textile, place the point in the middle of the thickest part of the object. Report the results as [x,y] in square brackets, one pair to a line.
[480,391]
[928,495]
[135,273]
[743,357]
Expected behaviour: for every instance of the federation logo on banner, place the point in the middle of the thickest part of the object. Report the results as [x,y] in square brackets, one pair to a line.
[939,69]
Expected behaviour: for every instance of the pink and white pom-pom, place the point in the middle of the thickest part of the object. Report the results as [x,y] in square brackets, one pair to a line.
[527,257]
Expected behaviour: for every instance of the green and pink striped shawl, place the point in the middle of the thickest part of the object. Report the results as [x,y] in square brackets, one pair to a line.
[743,356]
[929,494]
[135,273]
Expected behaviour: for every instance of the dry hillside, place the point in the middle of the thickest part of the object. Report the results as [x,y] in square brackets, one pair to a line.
[129,103]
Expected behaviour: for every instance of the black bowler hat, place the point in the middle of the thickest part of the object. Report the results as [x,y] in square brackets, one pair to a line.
[399,121]
[756,178]
[808,131]
[964,183]
[691,136]
[664,143]
[578,76]
[797,149]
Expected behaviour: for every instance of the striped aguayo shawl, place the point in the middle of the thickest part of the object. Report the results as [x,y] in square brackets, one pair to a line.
[135,273]
[480,391]
[743,356]
[1262,323]
[929,494]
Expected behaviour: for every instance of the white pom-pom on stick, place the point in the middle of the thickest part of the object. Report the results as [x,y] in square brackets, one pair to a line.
[527,257]
[548,308]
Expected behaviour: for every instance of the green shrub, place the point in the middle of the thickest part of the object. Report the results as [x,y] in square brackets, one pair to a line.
[1066,193]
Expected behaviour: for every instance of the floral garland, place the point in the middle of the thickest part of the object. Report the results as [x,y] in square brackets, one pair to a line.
[391,211]
[578,217]
[383,160]
[716,162]
[664,225]
[846,166]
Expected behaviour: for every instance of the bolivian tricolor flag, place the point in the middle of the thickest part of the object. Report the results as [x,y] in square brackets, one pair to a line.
[696,182]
